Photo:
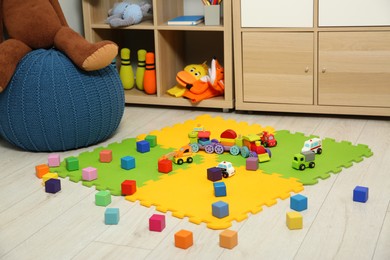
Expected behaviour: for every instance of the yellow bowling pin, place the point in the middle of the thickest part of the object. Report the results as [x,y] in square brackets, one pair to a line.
[139,73]
[126,73]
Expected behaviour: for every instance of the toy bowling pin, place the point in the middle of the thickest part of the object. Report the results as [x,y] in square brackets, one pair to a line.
[150,74]
[139,73]
[126,71]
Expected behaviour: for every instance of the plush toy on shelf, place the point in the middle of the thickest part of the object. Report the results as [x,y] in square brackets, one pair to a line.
[198,82]
[41,24]
[127,13]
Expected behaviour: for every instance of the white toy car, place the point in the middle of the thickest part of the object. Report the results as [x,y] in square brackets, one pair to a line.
[314,144]
[227,169]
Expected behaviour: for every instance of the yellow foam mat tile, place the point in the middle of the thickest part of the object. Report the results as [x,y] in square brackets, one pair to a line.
[189,193]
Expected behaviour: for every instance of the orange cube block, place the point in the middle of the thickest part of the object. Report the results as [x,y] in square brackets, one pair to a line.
[41,170]
[184,239]
[228,239]
[105,156]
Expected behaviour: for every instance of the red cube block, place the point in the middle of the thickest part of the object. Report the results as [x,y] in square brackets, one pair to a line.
[105,156]
[129,187]
[165,166]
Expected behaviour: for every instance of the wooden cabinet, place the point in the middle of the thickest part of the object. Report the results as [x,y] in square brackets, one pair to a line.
[317,69]
[354,69]
[277,67]
[174,47]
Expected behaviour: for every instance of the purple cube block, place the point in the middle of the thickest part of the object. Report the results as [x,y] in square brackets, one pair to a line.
[214,174]
[53,186]
[252,163]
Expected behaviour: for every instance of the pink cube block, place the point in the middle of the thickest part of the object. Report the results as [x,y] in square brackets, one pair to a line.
[53,160]
[157,222]
[89,174]
[252,163]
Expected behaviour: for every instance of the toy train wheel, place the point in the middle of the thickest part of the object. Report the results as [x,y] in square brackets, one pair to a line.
[180,161]
[190,160]
[225,174]
[252,154]
[209,148]
[319,151]
[234,150]
[269,152]
[312,164]
[245,152]
[302,167]
[195,148]
[219,149]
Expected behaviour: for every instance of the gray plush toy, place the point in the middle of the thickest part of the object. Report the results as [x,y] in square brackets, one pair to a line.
[127,13]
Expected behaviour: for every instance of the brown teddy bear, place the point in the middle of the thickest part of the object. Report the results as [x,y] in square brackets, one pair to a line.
[35,24]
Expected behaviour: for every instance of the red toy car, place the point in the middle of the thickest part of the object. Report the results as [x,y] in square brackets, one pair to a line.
[268,139]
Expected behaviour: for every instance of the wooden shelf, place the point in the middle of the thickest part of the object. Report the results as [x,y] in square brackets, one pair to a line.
[174,47]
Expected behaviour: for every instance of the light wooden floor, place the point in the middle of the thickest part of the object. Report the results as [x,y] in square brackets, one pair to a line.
[67,225]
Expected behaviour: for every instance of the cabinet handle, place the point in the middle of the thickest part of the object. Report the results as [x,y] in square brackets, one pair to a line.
[323,70]
[307,69]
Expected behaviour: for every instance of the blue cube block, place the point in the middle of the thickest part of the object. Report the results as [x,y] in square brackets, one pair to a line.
[219,189]
[53,186]
[143,146]
[220,209]
[111,216]
[128,162]
[298,202]
[360,194]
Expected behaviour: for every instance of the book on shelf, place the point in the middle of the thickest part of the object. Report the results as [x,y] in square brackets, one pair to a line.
[186,20]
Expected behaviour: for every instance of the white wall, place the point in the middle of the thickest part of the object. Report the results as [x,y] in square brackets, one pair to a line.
[193,7]
[74,15]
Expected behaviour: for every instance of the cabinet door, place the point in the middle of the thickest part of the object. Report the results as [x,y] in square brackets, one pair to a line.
[278,67]
[354,68]
[354,12]
[276,13]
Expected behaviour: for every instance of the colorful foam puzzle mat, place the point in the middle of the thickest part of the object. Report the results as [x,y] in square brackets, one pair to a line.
[186,191]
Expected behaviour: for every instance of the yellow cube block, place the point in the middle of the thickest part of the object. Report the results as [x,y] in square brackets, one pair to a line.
[48,176]
[294,220]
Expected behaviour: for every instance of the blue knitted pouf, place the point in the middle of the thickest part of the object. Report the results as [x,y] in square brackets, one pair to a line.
[51,105]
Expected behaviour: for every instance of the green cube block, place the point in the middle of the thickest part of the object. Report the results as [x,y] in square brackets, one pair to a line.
[152,140]
[102,198]
[72,163]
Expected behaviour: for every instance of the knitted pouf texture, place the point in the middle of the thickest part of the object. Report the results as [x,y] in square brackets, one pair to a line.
[51,105]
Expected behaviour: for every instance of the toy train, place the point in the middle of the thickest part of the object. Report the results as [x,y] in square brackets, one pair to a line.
[248,146]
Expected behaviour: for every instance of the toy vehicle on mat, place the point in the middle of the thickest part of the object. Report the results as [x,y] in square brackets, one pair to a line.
[314,144]
[268,139]
[184,154]
[227,169]
[247,146]
[303,160]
